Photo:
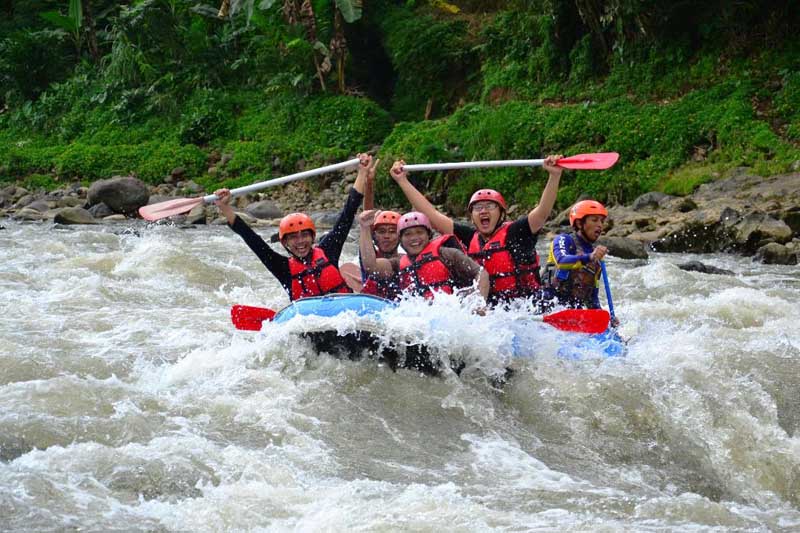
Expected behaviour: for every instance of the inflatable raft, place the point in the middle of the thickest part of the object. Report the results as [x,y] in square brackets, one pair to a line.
[352,326]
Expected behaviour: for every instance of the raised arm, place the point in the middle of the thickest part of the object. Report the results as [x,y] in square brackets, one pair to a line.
[441,223]
[538,215]
[224,205]
[366,166]
[369,261]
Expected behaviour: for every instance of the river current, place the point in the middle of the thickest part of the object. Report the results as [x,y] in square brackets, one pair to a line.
[128,402]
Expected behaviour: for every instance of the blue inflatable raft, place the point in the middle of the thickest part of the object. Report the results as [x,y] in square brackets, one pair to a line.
[363,339]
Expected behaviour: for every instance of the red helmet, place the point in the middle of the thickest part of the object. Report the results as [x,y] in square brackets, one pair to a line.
[487,194]
[585,208]
[386,217]
[413,219]
[294,223]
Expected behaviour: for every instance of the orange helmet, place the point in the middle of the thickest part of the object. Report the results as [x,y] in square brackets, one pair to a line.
[294,223]
[487,194]
[386,217]
[585,208]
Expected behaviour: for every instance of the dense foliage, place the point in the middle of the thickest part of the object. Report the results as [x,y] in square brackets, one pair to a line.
[243,89]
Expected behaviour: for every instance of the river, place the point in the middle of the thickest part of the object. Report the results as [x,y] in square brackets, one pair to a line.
[130,403]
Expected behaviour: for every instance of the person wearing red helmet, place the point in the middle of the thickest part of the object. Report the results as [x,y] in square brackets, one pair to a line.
[386,243]
[506,250]
[430,264]
[572,273]
[310,270]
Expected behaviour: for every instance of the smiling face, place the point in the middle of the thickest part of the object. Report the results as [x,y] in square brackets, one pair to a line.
[415,239]
[386,238]
[299,243]
[485,215]
[591,227]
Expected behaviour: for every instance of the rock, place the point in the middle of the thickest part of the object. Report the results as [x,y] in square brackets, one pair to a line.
[755,228]
[28,214]
[225,158]
[265,209]
[177,174]
[729,216]
[74,215]
[122,194]
[70,201]
[791,217]
[100,210]
[115,218]
[697,266]
[649,200]
[325,219]
[197,215]
[775,254]
[686,205]
[694,237]
[39,205]
[624,248]
[23,201]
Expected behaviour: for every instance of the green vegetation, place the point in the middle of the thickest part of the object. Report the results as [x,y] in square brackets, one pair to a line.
[97,88]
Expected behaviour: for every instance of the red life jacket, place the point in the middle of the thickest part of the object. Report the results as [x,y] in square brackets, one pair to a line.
[508,279]
[316,277]
[383,287]
[427,273]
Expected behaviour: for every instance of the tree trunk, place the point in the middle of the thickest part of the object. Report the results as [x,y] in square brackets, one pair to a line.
[91,33]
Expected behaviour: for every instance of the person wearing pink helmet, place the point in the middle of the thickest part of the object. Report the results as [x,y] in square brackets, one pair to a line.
[506,250]
[310,270]
[430,265]
[572,273]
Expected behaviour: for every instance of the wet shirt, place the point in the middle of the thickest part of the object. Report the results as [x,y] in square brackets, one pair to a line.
[521,241]
[332,243]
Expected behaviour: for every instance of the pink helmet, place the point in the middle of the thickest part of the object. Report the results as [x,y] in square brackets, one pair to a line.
[487,194]
[413,219]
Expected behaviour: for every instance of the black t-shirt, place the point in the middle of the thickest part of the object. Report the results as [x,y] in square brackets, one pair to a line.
[332,243]
[521,241]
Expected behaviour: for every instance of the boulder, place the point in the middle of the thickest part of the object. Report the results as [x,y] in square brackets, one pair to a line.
[197,215]
[757,228]
[28,214]
[791,217]
[775,254]
[74,215]
[624,248]
[652,200]
[39,205]
[265,209]
[122,194]
[100,210]
[697,266]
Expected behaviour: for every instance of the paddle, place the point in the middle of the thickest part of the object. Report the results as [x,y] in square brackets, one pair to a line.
[184,205]
[579,320]
[249,318]
[608,291]
[599,161]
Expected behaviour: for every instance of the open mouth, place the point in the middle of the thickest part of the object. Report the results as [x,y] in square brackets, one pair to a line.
[485,222]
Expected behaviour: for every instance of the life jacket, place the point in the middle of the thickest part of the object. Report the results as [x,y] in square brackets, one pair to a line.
[316,277]
[426,273]
[508,278]
[573,283]
[378,286]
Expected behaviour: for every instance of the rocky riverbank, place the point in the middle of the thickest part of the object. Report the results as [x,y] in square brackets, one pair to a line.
[741,213]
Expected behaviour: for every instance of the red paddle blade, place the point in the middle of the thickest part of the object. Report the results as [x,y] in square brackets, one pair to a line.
[599,161]
[579,320]
[250,318]
[169,208]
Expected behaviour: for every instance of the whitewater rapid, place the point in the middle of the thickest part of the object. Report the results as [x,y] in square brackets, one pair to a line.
[129,402]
